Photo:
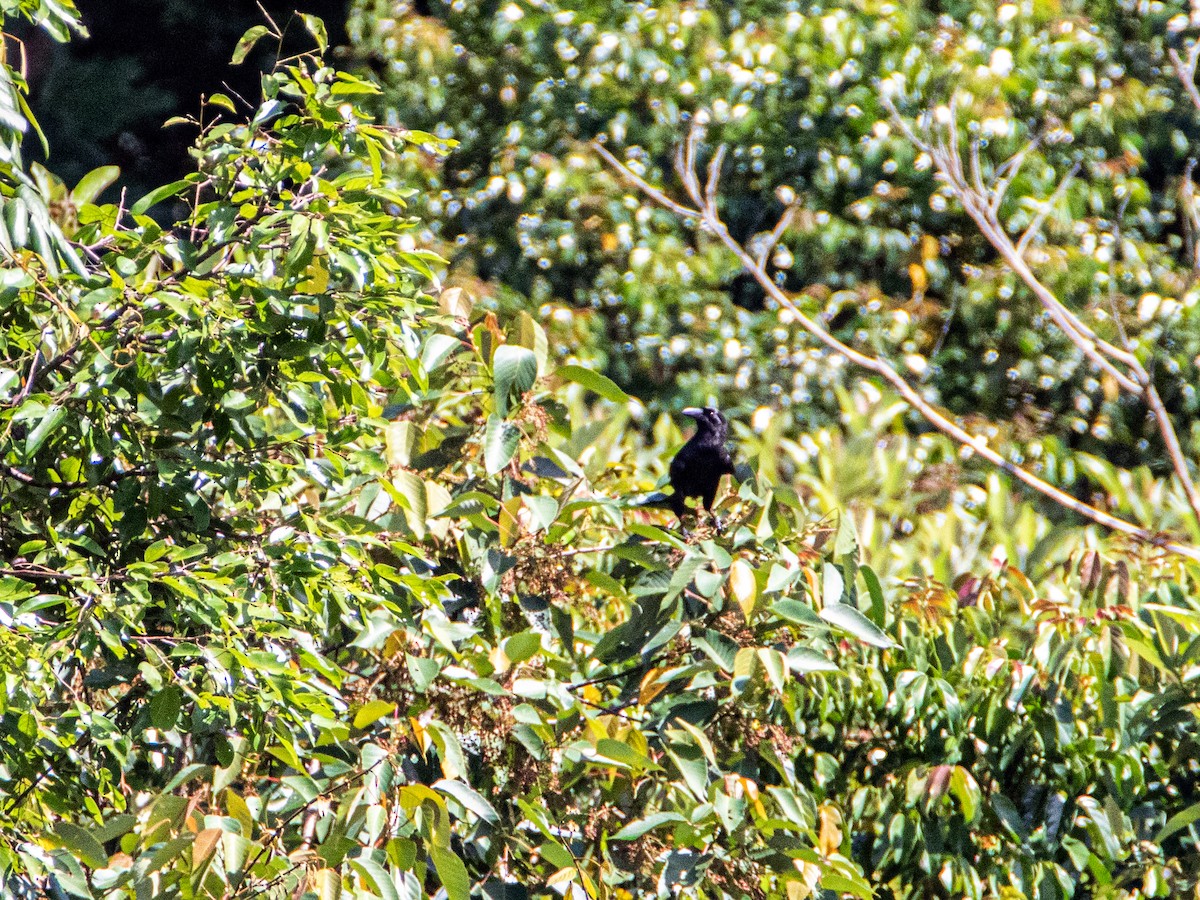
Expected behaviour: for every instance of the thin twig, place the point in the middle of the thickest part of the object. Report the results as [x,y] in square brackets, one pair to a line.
[1186,72]
[653,193]
[781,227]
[1036,225]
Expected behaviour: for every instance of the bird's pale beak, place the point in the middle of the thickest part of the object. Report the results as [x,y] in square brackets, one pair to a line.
[693,412]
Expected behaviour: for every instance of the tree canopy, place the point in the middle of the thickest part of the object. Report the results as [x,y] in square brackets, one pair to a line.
[332,560]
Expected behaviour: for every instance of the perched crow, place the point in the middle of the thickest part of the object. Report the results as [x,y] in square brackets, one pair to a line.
[697,468]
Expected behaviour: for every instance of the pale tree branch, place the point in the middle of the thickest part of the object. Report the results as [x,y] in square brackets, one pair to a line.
[1186,71]
[1036,225]
[709,220]
[777,233]
[977,202]
[982,203]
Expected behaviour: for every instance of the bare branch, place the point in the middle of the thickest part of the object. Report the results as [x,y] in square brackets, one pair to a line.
[644,186]
[1186,71]
[713,223]
[1035,226]
[982,205]
[1191,218]
[781,227]
[1101,353]
[714,177]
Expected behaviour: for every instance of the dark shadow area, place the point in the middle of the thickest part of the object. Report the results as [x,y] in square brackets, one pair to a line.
[103,99]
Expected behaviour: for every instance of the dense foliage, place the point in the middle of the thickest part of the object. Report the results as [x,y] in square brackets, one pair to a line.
[877,249]
[324,579]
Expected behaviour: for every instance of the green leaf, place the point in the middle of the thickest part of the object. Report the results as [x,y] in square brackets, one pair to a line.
[82,843]
[158,195]
[849,619]
[372,711]
[515,371]
[328,883]
[1178,822]
[165,706]
[469,799]
[620,752]
[878,609]
[92,184]
[376,876]
[523,646]
[774,665]
[316,27]
[1009,816]
[795,611]
[803,661]
[635,830]
[832,584]
[966,789]
[247,42]
[746,667]
[593,381]
[222,101]
[53,417]
[841,884]
[451,872]
[500,441]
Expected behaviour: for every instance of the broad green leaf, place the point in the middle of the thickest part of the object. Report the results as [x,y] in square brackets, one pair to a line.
[316,27]
[832,584]
[92,184]
[635,830]
[372,711]
[851,620]
[165,707]
[878,612]
[515,371]
[246,43]
[774,665]
[521,647]
[469,799]
[220,100]
[803,661]
[1181,820]
[620,752]
[746,667]
[743,587]
[53,417]
[376,877]
[328,884]
[500,441]
[966,790]
[593,381]
[160,194]
[81,842]
[451,872]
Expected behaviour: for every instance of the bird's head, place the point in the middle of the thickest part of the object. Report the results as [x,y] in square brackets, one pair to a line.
[708,419]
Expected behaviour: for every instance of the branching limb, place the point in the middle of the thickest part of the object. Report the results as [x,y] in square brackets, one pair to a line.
[781,227]
[1036,225]
[981,201]
[1185,71]
[705,210]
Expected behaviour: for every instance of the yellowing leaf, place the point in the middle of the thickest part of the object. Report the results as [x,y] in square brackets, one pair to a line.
[829,838]
[651,687]
[920,281]
[742,586]
[204,845]
[328,884]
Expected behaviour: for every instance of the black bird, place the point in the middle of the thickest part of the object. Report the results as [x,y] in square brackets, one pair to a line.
[697,468]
